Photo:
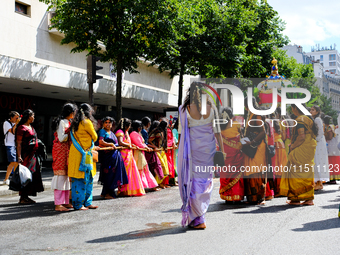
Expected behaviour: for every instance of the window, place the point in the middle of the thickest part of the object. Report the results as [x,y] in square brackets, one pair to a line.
[332,63]
[331,57]
[22,9]
[332,71]
[321,57]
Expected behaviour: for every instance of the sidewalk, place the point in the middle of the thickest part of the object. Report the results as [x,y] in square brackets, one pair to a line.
[46,174]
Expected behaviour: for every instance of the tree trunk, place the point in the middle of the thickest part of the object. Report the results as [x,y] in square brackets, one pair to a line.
[119,89]
[180,84]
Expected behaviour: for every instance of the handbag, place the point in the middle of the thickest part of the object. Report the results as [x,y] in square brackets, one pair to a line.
[15,183]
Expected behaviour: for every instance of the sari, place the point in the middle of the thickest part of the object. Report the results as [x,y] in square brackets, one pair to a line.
[29,148]
[254,177]
[148,180]
[196,159]
[112,169]
[321,167]
[61,147]
[135,185]
[279,162]
[333,152]
[170,153]
[231,183]
[175,134]
[297,182]
[157,140]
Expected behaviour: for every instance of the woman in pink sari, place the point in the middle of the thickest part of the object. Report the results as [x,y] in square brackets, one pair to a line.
[135,185]
[149,182]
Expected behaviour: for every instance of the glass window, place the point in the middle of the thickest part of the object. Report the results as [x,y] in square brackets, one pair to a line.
[321,57]
[332,71]
[23,9]
[331,57]
[332,63]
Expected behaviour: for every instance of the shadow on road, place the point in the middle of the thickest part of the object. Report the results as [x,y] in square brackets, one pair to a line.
[320,225]
[269,209]
[17,212]
[153,230]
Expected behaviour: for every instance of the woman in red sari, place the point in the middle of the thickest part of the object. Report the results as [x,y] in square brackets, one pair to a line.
[27,147]
[232,186]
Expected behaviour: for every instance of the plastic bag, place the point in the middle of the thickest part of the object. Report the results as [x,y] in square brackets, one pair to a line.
[15,183]
[25,175]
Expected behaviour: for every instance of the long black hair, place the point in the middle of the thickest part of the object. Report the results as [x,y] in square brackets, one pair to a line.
[275,124]
[136,124]
[68,108]
[153,127]
[25,116]
[163,127]
[194,94]
[123,124]
[85,111]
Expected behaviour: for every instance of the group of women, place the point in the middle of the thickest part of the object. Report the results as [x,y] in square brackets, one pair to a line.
[139,156]
[296,153]
[135,157]
[263,158]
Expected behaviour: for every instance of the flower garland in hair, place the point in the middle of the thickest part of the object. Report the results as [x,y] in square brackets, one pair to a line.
[225,115]
[122,124]
[82,111]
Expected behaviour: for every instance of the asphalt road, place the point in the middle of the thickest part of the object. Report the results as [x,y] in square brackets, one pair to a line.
[151,225]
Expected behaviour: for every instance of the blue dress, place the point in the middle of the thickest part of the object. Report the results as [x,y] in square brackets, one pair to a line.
[112,169]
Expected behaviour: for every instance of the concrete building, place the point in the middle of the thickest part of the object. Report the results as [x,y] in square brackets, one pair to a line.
[328,57]
[296,52]
[37,72]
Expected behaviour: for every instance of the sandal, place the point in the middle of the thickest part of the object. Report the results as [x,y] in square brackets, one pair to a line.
[25,202]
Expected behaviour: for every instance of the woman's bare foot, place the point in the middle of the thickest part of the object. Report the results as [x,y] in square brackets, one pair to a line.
[269,198]
[109,197]
[92,206]
[294,203]
[308,202]
[201,226]
[262,203]
[61,208]
[156,189]
[83,208]
[162,186]
[68,205]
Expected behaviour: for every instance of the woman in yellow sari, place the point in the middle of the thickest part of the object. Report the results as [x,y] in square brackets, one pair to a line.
[297,181]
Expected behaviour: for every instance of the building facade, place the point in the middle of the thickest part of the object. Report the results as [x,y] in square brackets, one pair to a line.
[329,58]
[37,72]
[296,52]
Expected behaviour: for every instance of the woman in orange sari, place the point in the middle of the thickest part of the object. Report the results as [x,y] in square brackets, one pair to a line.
[231,180]
[297,182]
[280,159]
[254,179]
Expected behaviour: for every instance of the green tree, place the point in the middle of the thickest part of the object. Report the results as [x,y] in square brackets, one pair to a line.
[123,26]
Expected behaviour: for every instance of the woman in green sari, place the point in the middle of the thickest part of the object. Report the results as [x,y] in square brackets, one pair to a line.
[298,177]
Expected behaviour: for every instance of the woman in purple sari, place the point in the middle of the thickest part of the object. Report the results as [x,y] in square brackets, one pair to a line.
[197,147]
